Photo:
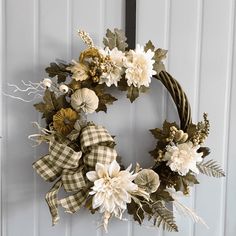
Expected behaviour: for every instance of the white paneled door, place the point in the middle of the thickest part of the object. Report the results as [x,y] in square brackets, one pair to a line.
[200,38]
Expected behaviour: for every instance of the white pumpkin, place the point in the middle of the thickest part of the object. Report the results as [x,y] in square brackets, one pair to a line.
[85,99]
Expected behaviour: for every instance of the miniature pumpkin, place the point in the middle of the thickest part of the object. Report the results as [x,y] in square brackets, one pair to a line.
[85,99]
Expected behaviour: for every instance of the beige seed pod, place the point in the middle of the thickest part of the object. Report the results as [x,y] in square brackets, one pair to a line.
[148,180]
[179,135]
[184,137]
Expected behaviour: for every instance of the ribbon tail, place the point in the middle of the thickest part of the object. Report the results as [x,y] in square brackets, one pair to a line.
[74,202]
[73,180]
[52,201]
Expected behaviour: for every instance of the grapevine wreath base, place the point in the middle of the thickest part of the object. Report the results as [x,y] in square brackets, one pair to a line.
[82,158]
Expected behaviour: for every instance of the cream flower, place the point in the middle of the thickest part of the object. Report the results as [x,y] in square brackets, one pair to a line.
[112,189]
[113,68]
[183,157]
[79,70]
[139,67]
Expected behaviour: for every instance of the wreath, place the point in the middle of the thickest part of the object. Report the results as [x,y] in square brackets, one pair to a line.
[82,158]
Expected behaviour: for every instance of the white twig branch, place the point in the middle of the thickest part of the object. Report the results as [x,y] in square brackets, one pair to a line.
[36,96]
[30,88]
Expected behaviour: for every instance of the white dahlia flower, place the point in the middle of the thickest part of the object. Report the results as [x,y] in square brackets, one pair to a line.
[139,67]
[113,68]
[183,157]
[113,189]
[79,70]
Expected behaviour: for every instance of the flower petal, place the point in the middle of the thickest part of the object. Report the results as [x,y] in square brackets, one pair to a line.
[129,168]
[101,170]
[98,200]
[92,176]
[109,204]
[114,169]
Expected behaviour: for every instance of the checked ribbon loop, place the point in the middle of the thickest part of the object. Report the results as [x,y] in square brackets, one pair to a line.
[68,167]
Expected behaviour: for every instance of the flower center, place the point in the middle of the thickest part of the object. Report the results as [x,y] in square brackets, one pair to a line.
[67,121]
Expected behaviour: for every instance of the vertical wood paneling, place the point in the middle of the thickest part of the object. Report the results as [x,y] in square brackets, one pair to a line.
[200,37]
[100,17]
[213,98]
[86,16]
[230,192]
[2,118]
[19,66]
[36,74]
[149,107]
[52,44]
[150,103]
[183,39]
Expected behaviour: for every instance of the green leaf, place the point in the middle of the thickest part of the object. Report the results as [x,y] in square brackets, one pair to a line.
[51,105]
[61,103]
[190,179]
[116,39]
[143,89]
[155,154]
[166,126]
[191,130]
[160,55]
[40,107]
[158,133]
[182,183]
[161,195]
[122,85]
[104,98]
[50,99]
[133,93]
[135,210]
[107,98]
[205,150]
[149,45]
[163,133]
[163,217]
[211,168]
[59,70]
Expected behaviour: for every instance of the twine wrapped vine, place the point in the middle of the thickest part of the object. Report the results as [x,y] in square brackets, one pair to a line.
[179,97]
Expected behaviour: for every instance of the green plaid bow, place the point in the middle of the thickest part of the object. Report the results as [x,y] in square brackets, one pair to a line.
[70,167]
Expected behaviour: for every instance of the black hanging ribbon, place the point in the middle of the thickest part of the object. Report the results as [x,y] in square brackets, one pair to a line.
[130,23]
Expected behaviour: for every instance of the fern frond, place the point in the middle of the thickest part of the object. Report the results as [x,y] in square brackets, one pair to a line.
[211,168]
[163,217]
